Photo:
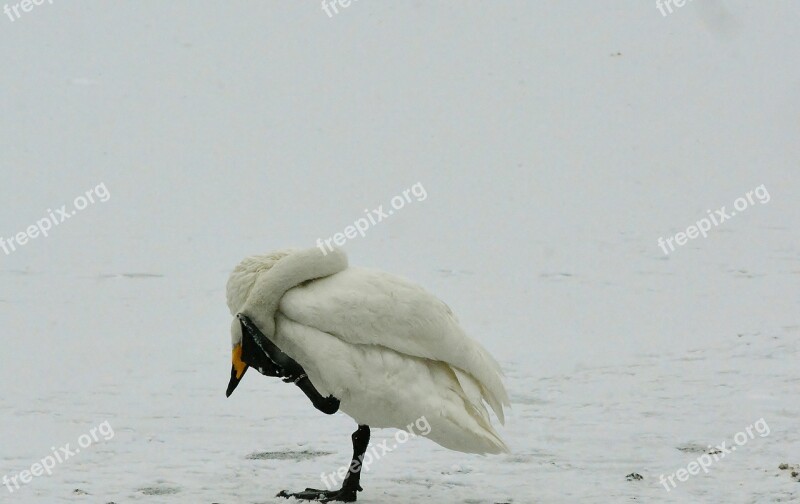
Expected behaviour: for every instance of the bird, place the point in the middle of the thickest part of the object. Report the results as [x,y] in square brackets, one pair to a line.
[375,346]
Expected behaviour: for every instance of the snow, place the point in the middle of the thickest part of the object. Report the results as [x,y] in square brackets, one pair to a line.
[556,142]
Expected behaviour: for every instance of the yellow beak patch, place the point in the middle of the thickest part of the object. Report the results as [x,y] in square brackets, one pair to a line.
[238,363]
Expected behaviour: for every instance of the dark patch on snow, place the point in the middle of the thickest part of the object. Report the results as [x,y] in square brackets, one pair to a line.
[698,448]
[555,275]
[159,490]
[288,455]
[794,470]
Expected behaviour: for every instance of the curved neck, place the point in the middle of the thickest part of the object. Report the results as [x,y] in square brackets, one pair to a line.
[289,272]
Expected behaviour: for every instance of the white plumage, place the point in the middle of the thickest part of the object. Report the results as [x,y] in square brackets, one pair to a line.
[387,349]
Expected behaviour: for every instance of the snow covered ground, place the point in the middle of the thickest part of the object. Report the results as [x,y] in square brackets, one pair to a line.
[556,143]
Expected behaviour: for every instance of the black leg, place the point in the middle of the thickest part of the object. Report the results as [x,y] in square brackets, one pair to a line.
[328,405]
[360,442]
[351,484]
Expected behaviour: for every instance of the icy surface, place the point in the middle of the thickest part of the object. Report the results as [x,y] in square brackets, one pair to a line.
[556,141]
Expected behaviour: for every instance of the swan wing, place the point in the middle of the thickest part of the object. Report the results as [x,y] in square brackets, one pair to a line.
[368,307]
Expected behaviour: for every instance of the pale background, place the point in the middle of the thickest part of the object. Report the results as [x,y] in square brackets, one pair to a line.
[557,141]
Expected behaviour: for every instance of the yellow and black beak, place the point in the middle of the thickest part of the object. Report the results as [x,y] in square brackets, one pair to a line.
[237,370]
[252,352]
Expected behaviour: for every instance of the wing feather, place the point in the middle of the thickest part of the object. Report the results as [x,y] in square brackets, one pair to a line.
[369,307]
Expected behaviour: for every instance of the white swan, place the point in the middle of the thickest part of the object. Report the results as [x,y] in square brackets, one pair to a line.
[384,350]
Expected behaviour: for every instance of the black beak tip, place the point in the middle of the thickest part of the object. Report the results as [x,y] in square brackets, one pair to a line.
[231,387]
[233,383]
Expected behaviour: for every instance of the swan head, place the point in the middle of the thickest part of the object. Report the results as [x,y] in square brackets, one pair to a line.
[244,276]
[255,290]
[240,283]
